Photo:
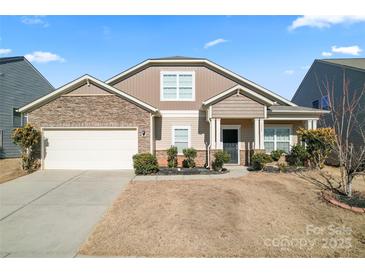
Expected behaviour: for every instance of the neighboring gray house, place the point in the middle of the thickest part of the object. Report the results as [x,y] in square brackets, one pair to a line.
[311,92]
[20,83]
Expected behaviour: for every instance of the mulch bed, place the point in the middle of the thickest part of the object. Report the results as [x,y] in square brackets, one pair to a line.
[189,171]
[356,203]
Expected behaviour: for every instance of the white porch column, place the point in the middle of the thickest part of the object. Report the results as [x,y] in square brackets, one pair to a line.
[218,133]
[212,133]
[314,124]
[257,133]
[261,127]
[309,124]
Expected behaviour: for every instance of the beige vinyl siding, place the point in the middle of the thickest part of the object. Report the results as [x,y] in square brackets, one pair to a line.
[145,85]
[198,125]
[87,90]
[238,106]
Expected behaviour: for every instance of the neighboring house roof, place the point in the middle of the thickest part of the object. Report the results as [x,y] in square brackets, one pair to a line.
[189,60]
[80,81]
[347,63]
[235,89]
[356,63]
[5,60]
[295,109]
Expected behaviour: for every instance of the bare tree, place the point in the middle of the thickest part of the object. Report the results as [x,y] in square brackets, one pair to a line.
[347,118]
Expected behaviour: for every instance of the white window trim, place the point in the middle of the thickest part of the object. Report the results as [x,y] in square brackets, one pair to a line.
[275,126]
[173,135]
[162,73]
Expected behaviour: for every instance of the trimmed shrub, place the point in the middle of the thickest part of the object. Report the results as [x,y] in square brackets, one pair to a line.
[145,163]
[259,160]
[172,157]
[298,155]
[320,143]
[275,154]
[190,154]
[220,158]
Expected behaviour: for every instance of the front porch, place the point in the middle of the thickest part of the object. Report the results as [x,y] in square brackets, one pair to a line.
[243,122]
[240,138]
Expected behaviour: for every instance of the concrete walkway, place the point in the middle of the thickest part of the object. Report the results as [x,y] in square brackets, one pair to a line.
[234,172]
[51,213]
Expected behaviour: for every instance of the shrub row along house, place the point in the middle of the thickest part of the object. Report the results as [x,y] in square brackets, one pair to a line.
[159,103]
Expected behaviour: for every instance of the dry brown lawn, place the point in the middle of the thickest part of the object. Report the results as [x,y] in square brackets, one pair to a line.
[258,215]
[10,169]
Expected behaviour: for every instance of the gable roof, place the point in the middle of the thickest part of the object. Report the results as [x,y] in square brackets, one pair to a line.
[236,89]
[86,79]
[356,63]
[190,61]
[5,60]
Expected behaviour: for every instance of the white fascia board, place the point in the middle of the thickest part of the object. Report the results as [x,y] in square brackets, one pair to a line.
[179,113]
[292,118]
[81,80]
[209,63]
[301,111]
[238,88]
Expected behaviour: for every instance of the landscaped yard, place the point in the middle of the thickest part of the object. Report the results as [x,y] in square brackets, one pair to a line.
[10,169]
[258,215]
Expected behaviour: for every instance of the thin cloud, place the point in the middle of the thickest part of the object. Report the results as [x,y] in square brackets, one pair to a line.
[315,21]
[305,67]
[5,51]
[215,42]
[289,72]
[351,50]
[44,57]
[35,20]
[326,53]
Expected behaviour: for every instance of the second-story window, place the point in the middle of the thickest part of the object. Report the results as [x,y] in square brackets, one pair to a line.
[177,86]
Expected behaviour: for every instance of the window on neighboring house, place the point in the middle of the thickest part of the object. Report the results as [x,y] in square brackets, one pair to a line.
[17,118]
[181,138]
[325,104]
[315,104]
[277,138]
[25,119]
[177,86]
[1,139]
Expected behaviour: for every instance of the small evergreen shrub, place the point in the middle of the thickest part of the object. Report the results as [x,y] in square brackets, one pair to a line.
[259,160]
[298,155]
[320,143]
[145,163]
[275,154]
[172,157]
[220,158]
[190,154]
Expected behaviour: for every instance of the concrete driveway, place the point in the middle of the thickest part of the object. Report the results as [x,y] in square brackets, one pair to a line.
[50,213]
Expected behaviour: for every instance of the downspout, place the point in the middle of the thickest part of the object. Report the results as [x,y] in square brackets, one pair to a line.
[152,133]
[209,112]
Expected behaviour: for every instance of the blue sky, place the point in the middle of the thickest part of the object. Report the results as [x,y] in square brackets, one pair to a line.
[273,51]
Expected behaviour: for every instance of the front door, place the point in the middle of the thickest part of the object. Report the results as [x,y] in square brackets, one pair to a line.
[230,144]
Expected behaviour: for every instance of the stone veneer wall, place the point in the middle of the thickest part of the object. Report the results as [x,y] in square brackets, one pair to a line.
[94,111]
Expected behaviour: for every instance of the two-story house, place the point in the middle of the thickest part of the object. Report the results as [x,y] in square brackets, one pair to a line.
[176,101]
[20,83]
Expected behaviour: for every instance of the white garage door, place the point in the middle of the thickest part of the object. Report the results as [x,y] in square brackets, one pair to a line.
[89,148]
